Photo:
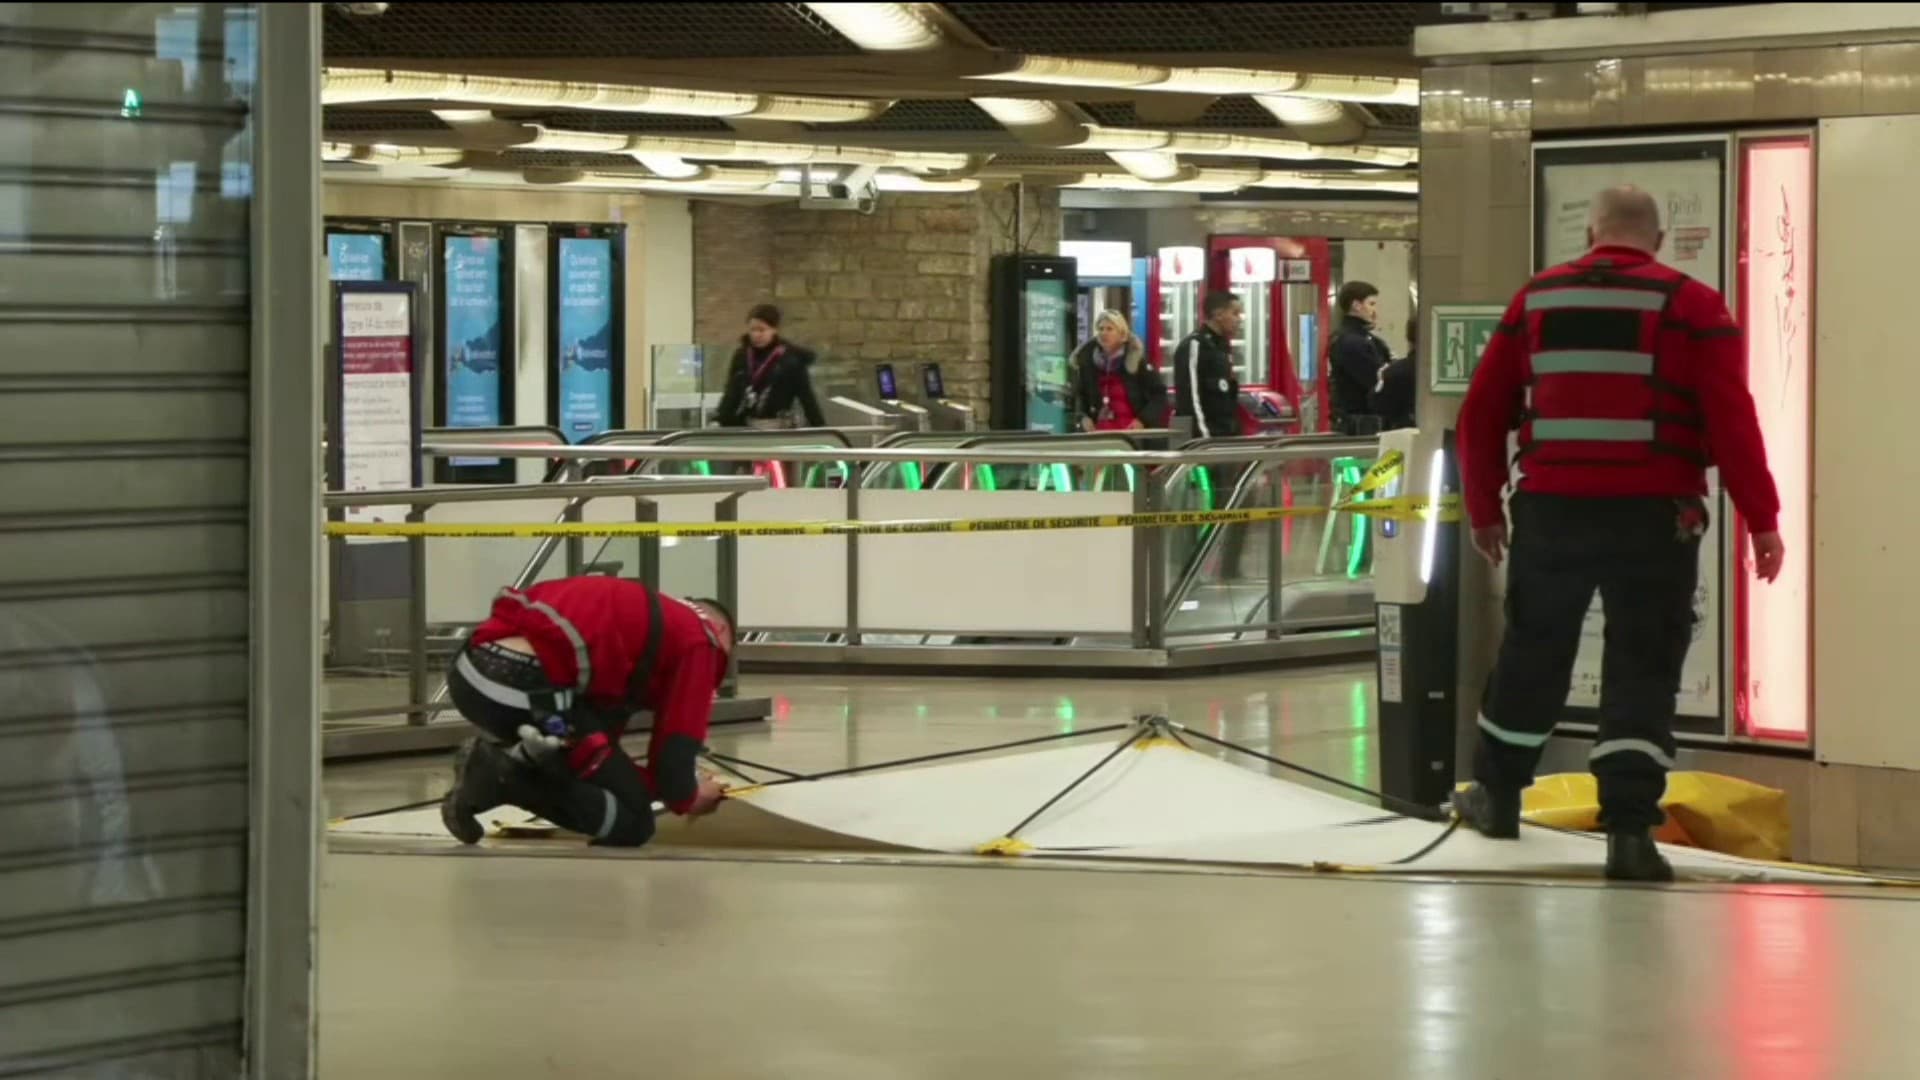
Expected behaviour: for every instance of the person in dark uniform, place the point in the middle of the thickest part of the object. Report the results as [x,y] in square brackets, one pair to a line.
[1204,385]
[1393,396]
[551,678]
[1355,358]
[768,377]
[1626,379]
[1207,390]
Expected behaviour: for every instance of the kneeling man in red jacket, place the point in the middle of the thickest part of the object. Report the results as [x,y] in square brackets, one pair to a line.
[552,678]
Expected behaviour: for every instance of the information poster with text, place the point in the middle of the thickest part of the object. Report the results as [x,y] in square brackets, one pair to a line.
[376,398]
[1690,192]
[356,256]
[1046,311]
[1687,178]
[472,342]
[586,336]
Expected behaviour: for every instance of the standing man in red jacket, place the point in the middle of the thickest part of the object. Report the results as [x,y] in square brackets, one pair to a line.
[552,678]
[1625,379]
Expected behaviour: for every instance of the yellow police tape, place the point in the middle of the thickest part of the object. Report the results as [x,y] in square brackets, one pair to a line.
[1381,474]
[1401,508]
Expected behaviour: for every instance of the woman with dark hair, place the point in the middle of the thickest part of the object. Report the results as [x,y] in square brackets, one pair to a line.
[768,377]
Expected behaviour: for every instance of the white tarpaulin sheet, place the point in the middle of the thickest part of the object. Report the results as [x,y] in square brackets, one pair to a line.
[1156,801]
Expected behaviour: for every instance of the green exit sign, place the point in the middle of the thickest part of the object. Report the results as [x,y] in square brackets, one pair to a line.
[1457,335]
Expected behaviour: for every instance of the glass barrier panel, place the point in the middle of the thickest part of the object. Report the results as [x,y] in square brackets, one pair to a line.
[1219,579]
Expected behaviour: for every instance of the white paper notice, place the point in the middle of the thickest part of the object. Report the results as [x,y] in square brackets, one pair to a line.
[1691,210]
[376,398]
[1392,676]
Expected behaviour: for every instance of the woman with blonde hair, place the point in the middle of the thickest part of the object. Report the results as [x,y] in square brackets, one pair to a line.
[1114,387]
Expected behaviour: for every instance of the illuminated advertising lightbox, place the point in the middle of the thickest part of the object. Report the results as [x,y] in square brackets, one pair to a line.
[471,344]
[587,353]
[1046,313]
[1772,691]
[356,256]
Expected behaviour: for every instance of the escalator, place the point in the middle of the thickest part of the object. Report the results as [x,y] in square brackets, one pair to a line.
[1220,575]
[687,563]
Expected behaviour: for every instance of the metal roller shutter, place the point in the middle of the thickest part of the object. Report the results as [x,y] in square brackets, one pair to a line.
[125,199]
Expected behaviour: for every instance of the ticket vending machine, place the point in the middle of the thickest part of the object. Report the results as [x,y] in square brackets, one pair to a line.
[1416,605]
[1183,273]
[1269,394]
[1250,274]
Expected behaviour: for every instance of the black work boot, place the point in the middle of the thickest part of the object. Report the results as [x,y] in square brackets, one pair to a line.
[1633,856]
[1492,814]
[479,785]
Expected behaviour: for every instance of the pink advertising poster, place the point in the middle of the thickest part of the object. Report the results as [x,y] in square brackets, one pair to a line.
[1772,681]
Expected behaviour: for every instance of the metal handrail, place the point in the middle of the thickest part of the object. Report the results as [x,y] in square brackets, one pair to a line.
[609,487]
[577,493]
[1292,448]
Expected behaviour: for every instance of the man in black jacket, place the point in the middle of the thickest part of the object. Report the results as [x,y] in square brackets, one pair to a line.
[1207,389]
[1205,386]
[1355,358]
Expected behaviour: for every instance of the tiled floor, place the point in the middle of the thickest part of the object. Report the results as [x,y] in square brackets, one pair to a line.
[481,964]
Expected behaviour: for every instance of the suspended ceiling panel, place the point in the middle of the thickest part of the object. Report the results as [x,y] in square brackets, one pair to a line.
[1161,28]
[648,30]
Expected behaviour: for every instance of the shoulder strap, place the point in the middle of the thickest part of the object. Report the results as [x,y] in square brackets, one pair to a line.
[649,652]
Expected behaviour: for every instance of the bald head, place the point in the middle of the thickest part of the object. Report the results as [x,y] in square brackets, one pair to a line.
[1625,217]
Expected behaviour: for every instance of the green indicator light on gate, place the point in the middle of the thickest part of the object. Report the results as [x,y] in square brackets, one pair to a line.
[131,103]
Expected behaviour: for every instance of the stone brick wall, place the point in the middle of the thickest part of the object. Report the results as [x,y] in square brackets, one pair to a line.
[731,273]
[905,284]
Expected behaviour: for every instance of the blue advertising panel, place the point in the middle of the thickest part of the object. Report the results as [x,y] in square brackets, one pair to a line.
[587,354]
[356,256]
[470,348]
[1047,311]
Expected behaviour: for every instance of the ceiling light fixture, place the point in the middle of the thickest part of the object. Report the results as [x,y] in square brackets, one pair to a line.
[882,27]
[1290,109]
[668,166]
[893,181]
[1230,180]
[1225,144]
[359,86]
[1125,75]
[390,154]
[1150,165]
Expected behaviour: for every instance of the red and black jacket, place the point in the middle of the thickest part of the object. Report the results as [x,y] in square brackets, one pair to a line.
[622,647]
[1624,378]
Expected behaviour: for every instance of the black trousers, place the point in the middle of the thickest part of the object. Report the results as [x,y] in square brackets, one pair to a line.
[1233,545]
[1643,557]
[614,806]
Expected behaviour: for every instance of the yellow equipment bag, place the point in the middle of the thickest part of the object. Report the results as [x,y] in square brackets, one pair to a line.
[1704,810]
